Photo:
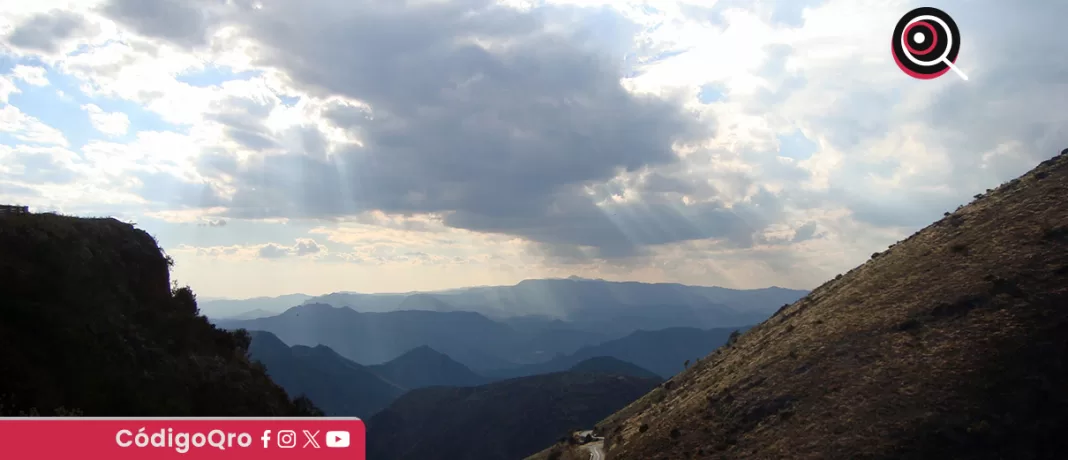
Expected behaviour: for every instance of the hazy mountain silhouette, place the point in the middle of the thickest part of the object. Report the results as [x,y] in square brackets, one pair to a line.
[504,420]
[618,307]
[231,308]
[425,367]
[663,352]
[374,338]
[336,385]
[252,314]
[609,309]
[612,366]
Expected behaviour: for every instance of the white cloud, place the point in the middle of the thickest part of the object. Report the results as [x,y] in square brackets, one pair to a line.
[31,74]
[111,123]
[7,88]
[28,129]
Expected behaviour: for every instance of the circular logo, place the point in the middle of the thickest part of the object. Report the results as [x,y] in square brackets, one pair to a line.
[925,44]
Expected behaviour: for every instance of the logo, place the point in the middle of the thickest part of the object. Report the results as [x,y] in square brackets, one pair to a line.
[337,439]
[310,439]
[926,43]
[287,439]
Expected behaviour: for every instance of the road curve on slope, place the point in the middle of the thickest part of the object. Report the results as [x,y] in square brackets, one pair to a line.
[596,447]
[596,451]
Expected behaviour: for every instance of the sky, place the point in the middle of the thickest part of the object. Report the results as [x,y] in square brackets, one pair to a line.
[278,147]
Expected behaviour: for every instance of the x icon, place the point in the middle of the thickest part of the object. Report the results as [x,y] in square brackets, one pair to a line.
[311,439]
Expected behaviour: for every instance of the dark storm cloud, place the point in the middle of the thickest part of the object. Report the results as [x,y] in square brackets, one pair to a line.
[625,229]
[498,139]
[805,232]
[503,138]
[45,32]
[184,22]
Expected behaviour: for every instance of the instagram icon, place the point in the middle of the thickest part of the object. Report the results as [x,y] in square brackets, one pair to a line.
[287,439]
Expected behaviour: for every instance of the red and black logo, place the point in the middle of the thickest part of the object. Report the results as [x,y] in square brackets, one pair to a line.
[926,43]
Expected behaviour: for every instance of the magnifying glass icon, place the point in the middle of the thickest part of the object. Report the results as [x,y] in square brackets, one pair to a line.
[926,43]
[944,57]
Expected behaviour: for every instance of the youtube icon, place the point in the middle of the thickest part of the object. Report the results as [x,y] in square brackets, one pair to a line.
[337,439]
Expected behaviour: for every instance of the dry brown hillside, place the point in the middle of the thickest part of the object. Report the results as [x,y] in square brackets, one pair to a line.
[951,344]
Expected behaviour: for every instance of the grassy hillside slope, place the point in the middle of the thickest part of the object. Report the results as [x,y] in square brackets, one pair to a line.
[951,344]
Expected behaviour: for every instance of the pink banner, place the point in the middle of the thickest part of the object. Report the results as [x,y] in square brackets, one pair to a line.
[64,438]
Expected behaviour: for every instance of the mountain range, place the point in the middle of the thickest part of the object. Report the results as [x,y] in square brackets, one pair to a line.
[425,367]
[375,338]
[613,309]
[336,385]
[664,351]
[342,387]
[612,366]
[256,307]
[521,346]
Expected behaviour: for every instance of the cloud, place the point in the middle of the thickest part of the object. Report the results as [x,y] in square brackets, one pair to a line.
[307,247]
[50,32]
[185,22]
[31,74]
[7,88]
[29,129]
[111,123]
[273,251]
[303,247]
[485,114]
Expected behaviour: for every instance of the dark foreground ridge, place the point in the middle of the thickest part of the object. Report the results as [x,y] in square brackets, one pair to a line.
[91,325]
[951,344]
[505,420]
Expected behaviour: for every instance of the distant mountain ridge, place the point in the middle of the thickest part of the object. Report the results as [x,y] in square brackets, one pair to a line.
[576,300]
[231,308]
[612,366]
[487,347]
[663,351]
[424,367]
[594,302]
[541,319]
[341,387]
[374,338]
[336,385]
